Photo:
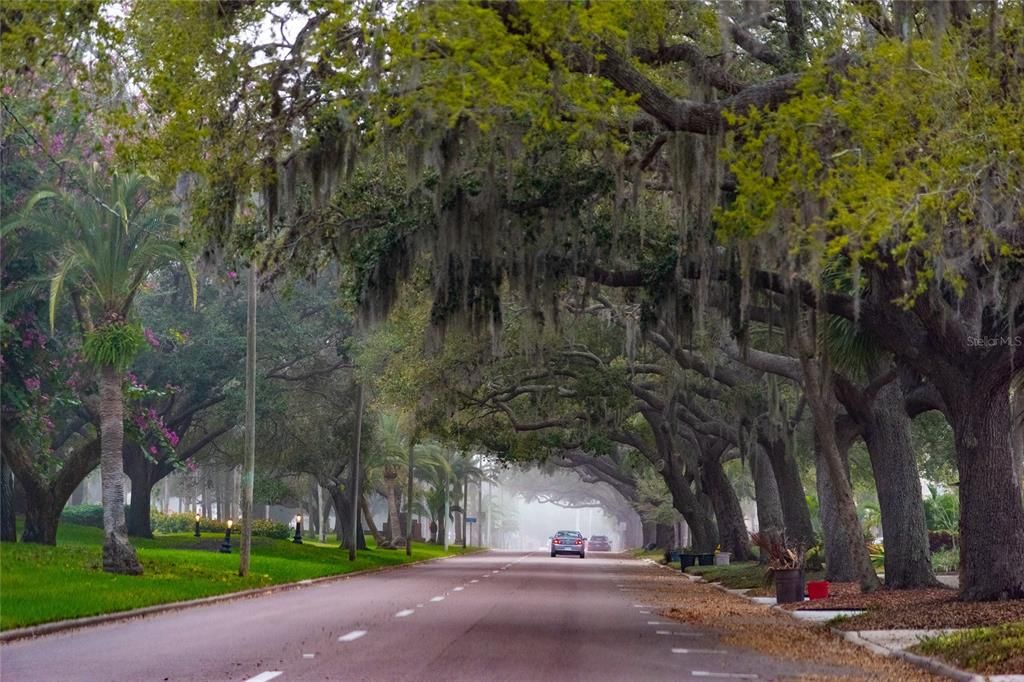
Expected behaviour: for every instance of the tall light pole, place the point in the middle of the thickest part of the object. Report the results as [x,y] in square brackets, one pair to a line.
[480,511]
[447,508]
[249,473]
[408,499]
[356,478]
[465,504]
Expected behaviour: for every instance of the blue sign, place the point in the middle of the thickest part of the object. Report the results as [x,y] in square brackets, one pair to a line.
[470,519]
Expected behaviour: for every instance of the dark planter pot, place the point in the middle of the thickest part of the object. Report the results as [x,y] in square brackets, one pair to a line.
[789,586]
[706,559]
[687,560]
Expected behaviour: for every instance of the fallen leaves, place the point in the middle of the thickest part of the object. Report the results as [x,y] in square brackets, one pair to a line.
[751,626]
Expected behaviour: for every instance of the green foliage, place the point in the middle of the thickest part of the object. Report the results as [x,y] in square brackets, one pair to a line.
[946,561]
[185,523]
[907,156]
[114,345]
[942,510]
[84,515]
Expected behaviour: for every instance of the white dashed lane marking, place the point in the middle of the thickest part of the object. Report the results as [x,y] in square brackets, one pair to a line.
[656,622]
[437,599]
[474,580]
[309,655]
[352,636]
[458,589]
[404,612]
[698,651]
[728,676]
[265,676]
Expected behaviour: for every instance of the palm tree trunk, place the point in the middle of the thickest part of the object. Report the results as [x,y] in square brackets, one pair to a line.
[394,519]
[118,553]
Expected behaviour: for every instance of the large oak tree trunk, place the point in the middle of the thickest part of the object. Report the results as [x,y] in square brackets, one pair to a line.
[118,554]
[795,513]
[840,566]
[887,436]
[991,510]
[45,498]
[766,492]
[732,531]
[378,538]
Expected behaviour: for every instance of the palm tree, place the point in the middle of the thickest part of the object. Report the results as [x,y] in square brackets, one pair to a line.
[112,238]
[386,466]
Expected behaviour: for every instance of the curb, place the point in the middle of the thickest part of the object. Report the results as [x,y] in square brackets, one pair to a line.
[932,665]
[76,623]
[928,663]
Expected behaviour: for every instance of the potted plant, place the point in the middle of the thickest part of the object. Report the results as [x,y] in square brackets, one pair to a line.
[785,562]
[686,558]
[721,558]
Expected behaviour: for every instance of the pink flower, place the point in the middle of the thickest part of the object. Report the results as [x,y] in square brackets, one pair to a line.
[232,275]
[32,384]
[8,89]
[152,449]
[151,338]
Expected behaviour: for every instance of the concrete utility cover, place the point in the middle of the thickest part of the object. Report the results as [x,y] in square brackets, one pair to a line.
[822,615]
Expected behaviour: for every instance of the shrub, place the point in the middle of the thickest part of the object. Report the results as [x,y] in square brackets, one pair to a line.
[184,523]
[939,540]
[946,561]
[83,515]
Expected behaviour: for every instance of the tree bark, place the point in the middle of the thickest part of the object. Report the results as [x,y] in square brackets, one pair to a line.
[766,492]
[991,509]
[8,527]
[897,480]
[796,516]
[821,401]
[663,535]
[732,531]
[118,554]
[378,538]
[840,566]
[394,530]
[45,498]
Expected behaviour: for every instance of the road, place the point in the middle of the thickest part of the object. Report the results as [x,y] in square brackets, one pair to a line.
[487,616]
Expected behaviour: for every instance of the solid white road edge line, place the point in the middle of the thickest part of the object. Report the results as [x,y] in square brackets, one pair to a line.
[265,676]
[352,636]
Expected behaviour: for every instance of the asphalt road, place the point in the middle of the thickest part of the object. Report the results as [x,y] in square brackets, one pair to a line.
[489,616]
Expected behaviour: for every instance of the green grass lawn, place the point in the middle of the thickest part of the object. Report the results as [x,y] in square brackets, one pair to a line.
[744,575]
[990,651]
[40,583]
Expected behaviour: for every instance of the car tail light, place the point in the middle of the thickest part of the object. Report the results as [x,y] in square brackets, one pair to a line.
[579,542]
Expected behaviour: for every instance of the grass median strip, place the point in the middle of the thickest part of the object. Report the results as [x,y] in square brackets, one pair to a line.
[41,584]
[995,650]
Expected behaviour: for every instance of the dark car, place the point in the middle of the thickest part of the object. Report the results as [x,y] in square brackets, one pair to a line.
[568,542]
[599,543]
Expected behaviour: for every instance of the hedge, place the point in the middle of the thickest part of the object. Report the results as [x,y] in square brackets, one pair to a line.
[92,515]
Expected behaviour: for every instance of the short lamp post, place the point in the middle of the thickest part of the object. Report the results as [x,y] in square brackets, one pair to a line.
[198,516]
[298,530]
[225,548]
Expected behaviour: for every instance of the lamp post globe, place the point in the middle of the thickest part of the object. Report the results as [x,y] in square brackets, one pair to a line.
[298,530]
[225,547]
[198,516]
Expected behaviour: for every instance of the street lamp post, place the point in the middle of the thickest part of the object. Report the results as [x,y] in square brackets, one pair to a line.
[225,547]
[198,516]
[298,530]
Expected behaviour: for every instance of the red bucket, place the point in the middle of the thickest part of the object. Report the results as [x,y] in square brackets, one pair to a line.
[817,589]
